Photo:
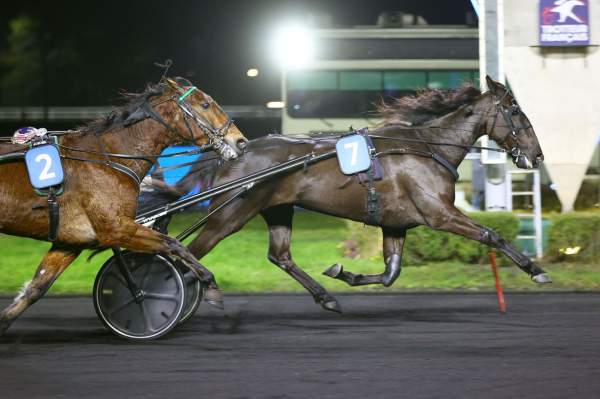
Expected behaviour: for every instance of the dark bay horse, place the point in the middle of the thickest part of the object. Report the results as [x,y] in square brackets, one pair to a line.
[415,190]
[98,206]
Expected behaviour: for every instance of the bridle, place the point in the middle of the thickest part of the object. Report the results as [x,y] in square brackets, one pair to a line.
[216,135]
[514,130]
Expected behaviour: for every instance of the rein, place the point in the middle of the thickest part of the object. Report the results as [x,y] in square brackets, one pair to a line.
[421,141]
[147,158]
[477,147]
[145,110]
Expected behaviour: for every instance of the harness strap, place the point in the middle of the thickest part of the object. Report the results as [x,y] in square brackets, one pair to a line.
[374,172]
[124,169]
[187,124]
[143,112]
[116,166]
[375,163]
[147,158]
[466,147]
[12,156]
[373,214]
[154,115]
[53,216]
[442,161]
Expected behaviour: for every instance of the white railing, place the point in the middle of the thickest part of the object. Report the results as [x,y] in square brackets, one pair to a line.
[535,192]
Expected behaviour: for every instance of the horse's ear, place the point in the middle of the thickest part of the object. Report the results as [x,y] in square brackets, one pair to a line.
[490,83]
[170,82]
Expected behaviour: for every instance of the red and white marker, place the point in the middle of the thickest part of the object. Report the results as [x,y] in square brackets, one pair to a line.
[501,303]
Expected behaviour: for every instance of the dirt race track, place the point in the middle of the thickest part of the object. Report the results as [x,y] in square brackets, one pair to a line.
[283,346]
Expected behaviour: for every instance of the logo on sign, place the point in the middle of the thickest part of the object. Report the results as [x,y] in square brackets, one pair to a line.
[564,23]
[353,154]
[44,167]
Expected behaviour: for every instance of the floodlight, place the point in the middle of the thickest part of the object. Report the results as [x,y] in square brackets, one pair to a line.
[293,46]
[275,104]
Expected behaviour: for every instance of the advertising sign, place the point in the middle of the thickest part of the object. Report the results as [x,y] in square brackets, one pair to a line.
[564,23]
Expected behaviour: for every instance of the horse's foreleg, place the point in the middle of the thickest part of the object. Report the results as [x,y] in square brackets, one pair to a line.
[456,222]
[137,238]
[53,264]
[279,219]
[393,242]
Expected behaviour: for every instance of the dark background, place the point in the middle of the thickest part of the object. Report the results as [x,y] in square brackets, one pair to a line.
[79,53]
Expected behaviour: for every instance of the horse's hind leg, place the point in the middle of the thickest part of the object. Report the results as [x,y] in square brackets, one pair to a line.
[456,222]
[53,264]
[279,219]
[225,222]
[393,242]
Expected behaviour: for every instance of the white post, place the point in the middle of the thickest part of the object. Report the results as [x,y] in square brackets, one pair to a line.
[491,49]
[537,213]
[509,199]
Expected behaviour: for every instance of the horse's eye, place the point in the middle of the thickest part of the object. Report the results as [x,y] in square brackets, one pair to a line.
[205,105]
[515,111]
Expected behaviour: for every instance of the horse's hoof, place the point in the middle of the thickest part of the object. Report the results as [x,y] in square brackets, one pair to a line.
[332,305]
[213,297]
[334,270]
[387,281]
[542,278]
[392,270]
[3,327]
[217,304]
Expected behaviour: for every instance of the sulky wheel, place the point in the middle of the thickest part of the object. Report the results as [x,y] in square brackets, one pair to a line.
[156,311]
[193,293]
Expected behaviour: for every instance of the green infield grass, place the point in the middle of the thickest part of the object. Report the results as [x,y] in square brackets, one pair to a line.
[240,264]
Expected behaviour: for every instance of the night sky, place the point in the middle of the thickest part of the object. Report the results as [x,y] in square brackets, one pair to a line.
[85,51]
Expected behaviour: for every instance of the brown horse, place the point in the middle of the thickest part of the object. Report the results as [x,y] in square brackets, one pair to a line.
[417,189]
[103,163]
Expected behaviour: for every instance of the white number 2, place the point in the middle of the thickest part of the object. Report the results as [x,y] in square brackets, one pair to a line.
[354,146]
[48,164]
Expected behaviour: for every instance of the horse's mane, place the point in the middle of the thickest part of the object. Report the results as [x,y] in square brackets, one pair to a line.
[130,102]
[426,105]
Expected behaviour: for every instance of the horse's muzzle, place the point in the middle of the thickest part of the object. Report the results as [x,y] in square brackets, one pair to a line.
[227,152]
[241,145]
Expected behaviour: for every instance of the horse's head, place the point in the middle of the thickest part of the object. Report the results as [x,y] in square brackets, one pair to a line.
[508,125]
[202,120]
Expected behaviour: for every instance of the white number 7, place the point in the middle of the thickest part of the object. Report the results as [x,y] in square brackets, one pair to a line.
[48,164]
[354,146]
